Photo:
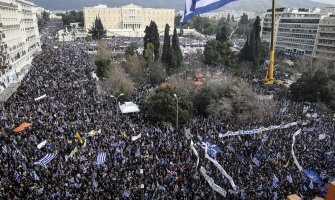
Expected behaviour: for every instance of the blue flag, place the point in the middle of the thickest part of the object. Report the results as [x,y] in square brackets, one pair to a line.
[197,7]
[314,176]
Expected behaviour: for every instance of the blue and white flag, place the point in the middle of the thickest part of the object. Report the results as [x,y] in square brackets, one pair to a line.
[256,161]
[101,158]
[289,179]
[275,196]
[275,181]
[329,154]
[17,176]
[314,176]
[260,187]
[212,149]
[197,7]
[46,159]
[35,176]
[4,149]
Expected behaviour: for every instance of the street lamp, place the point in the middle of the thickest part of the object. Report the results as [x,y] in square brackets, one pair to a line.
[177,112]
[116,98]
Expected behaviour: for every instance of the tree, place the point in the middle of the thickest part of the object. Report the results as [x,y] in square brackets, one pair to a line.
[97,30]
[152,36]
[222,34]
[312,88]
[163,106]
[103,67]
[149,53]
[252,50]
[217,52]
[131,49]
[176,52]
[88,38]
[177,20]
[43,19]
[167,52]
[211,55]
[73,17]
[203,98]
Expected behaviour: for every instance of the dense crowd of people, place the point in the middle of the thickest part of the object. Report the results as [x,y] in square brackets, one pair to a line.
[94,156]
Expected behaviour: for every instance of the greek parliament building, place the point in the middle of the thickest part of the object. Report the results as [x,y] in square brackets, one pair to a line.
[19,40]
[129,20]
[302,31]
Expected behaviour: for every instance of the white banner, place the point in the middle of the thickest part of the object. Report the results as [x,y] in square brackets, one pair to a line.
[41,97]
[254,131]
[211,182]
[292,151]
[136,137]
[224,173]
[195,152]
[42,144]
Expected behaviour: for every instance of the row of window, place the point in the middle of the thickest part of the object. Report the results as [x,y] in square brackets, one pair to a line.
[295,40]
[304,26]
[298,30]
[105,11]
[295,35]
[294,45]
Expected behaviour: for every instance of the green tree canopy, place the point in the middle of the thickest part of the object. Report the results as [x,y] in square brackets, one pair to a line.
[152,36]
[97,30]
[163,106]
[176,52]
[131,49]
[103,67]
[167,52]
[252,50]
[149,53]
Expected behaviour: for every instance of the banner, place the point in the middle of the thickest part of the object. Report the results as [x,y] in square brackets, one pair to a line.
[254,131]
[211,183]
[292,151]
[42,144]
[41,97]
[224,173]
[195,152]
[134,138]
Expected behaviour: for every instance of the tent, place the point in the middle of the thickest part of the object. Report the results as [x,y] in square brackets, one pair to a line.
[128,107]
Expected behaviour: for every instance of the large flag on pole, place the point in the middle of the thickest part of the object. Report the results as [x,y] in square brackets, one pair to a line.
[197,7]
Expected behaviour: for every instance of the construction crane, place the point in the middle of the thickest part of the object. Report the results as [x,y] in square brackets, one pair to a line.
[269,78]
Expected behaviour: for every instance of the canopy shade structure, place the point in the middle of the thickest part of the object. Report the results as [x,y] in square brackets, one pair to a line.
[128,107]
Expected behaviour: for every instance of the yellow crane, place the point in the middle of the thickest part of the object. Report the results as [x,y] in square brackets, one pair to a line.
[269,77]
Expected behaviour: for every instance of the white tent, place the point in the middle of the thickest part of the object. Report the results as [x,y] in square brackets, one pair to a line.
[129,107]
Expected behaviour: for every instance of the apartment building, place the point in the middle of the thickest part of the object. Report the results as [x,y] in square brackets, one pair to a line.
[296,29]
[130,19]
[19,39]
[325,43]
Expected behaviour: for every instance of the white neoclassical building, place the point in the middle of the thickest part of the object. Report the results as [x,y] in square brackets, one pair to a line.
[129,20]
[19,39]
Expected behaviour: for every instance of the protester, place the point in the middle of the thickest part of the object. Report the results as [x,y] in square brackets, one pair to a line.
[88,152]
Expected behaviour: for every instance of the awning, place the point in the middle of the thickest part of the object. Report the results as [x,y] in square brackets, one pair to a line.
[129,107]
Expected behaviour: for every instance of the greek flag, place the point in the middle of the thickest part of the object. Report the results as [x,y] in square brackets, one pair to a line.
[323,175]
[17,176]
[275,196]
[35,176]
[260,187]
[255,161]
[101,158]
[4,150]
[289,179]
[197,7]
[275,181]
[46,159]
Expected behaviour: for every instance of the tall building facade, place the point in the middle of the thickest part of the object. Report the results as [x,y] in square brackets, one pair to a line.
[325,43]
[129,20]
[19,39]
[296,29]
